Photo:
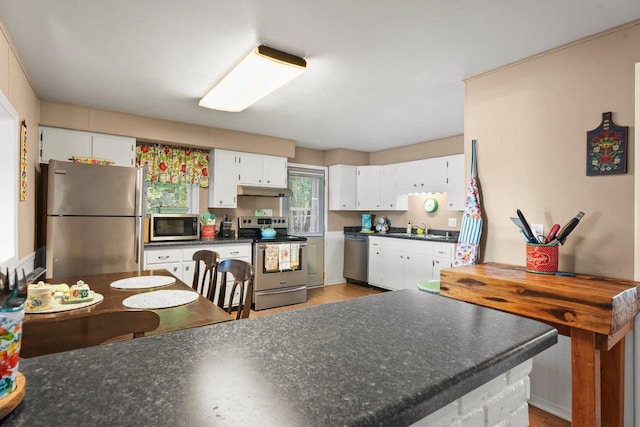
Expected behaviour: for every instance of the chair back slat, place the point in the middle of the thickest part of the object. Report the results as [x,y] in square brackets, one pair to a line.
[205,274]
[242,279]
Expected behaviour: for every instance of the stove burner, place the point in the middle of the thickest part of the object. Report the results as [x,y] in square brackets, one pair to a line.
[249,227]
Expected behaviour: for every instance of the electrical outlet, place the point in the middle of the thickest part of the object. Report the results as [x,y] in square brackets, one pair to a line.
[537,229]
[453,222]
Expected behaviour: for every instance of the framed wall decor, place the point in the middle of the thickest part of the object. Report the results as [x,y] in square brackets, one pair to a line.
[607,148]
[23,161]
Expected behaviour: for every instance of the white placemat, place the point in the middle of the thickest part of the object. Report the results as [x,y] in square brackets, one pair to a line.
[58,306]
[160,299]
[143,282]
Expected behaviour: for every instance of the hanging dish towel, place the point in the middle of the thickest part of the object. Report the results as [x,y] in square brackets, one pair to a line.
[468,246]
[295,256]
[271,258]
[284,256]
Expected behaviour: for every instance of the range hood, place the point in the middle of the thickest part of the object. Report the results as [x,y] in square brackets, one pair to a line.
[246,190]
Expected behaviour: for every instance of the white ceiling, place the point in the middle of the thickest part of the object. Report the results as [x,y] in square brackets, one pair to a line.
[381,73]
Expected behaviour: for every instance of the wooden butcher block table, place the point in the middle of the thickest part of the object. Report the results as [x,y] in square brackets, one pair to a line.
[596,312]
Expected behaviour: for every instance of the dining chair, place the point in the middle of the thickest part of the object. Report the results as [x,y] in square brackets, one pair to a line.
[84,330]
[242,274]
[205,284]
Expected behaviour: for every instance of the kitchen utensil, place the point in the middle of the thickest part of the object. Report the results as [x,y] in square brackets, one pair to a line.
[527,228]
[553,232]
[18,293]
[518,223]
[568,228]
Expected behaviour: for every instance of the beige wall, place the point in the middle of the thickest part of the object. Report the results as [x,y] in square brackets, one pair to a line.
[307,156]
[424,150]
[158,130]
[16,86]
[530,120]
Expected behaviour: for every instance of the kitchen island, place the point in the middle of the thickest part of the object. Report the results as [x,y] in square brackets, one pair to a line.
[386,359]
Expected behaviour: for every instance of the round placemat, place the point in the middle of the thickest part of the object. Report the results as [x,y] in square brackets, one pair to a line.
[143,282]
[160,299]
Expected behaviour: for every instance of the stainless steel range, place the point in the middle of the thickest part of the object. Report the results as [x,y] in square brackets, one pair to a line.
[280,262]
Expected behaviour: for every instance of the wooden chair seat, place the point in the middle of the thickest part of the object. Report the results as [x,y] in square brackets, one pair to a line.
[84,330]
[242,274]
[205,282]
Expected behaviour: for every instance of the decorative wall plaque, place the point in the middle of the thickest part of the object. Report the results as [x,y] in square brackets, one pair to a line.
[607,148]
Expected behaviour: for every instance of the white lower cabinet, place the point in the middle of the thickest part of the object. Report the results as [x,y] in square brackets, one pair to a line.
[397,263]
[443,254]
[178,260]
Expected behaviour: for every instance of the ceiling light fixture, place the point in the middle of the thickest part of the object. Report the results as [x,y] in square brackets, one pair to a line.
[264,70]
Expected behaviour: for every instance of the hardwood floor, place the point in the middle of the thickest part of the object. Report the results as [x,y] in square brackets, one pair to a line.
[323,295]
[345,291]
[539,418]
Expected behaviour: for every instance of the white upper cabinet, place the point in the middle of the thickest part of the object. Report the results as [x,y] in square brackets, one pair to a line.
[223,181]
[249,169]
[390,198]
[456,190]
[262,170]
[368,187]
[342,187]
[121,150]
[274,171]
[63,144]
[422,176]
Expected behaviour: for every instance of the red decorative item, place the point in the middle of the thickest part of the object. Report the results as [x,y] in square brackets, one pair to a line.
[607,148]
[542,258]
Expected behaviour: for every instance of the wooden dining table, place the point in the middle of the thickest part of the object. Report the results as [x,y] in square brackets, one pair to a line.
[197,313]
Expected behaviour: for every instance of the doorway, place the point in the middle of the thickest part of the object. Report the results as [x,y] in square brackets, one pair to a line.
[306,215]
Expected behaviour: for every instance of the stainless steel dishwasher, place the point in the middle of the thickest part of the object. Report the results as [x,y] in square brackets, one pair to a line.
[356,255]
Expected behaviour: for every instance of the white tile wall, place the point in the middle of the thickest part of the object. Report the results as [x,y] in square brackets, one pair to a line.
[500,402]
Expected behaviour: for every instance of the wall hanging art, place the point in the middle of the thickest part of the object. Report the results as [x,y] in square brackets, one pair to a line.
[23,161]
[607,148]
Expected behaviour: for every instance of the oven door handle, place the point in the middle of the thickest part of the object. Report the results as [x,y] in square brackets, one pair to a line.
[282,290]
[264,245]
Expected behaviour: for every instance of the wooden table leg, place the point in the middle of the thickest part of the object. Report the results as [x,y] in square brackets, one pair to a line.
[612,380]
[585,379]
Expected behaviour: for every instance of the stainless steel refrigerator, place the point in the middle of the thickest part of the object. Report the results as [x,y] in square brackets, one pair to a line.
[94,219]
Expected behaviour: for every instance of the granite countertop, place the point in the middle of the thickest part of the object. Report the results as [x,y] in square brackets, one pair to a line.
[434,235]
[216,241]
[386,359]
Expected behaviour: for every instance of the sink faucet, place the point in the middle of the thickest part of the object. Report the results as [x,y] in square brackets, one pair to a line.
[446,234]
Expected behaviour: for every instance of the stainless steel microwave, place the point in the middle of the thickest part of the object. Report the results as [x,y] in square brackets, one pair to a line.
[168,227]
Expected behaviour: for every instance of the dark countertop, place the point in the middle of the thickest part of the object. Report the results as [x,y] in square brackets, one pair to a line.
[445,236]
[386,359]
[216,241]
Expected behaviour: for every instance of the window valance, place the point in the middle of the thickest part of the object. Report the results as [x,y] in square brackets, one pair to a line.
[174,164]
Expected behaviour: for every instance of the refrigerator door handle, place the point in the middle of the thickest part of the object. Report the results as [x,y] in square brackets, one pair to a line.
[138,245]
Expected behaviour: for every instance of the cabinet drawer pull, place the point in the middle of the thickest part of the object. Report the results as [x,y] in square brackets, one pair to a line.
[234,253]
[163,257]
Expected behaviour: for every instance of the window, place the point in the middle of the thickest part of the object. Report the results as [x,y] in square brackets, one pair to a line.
[306,207]
[172,197]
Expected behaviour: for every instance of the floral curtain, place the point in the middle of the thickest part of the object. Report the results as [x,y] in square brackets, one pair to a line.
[174,164]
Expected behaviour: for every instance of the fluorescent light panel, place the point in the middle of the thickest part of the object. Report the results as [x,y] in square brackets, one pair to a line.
[260,73]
